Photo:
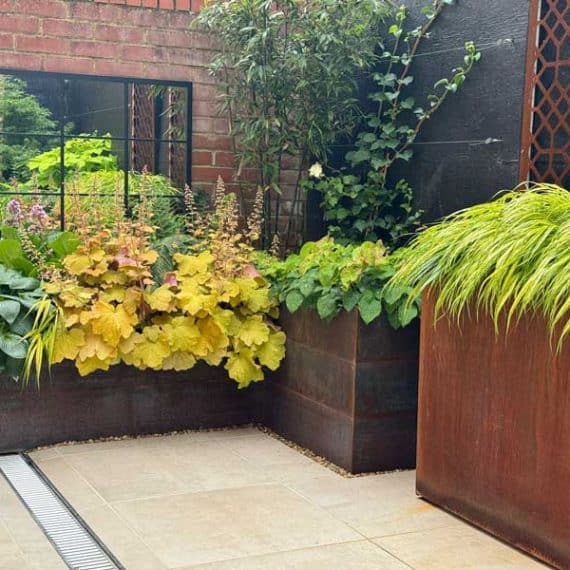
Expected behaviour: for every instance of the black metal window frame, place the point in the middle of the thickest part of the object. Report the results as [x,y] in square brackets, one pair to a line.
[64,78]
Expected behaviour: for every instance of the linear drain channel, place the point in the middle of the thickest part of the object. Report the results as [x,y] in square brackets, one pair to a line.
[70,536]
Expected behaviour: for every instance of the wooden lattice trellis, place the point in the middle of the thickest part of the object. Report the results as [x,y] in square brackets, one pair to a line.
[546,133]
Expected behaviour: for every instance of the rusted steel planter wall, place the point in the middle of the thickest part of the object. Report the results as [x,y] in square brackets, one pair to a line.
[122,401]
[494,430]
[347,391]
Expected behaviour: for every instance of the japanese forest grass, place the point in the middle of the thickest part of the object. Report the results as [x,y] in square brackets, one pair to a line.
[505,258]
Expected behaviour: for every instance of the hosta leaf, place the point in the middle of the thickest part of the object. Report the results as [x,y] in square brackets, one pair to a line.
[13,345]
[9,310]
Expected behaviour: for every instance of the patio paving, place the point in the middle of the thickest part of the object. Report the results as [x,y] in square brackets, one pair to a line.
[241,499]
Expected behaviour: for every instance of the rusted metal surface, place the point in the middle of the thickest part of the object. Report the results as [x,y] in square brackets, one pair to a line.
[347,391]
[123,401]
[545,149]
[494,430]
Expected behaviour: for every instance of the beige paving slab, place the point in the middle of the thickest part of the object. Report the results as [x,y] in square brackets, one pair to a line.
[121,539]
[460,547]
[71,484]
[206,466]
[346,556]
[126,472]
[206,527]
[375,505]
[266,451]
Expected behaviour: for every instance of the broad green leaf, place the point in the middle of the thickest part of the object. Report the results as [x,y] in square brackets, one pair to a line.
[294,300]
[13,345]
[369,307]
[9,310]
[327,306]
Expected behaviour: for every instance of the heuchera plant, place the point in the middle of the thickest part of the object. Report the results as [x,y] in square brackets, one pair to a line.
[330,277]
[213,307]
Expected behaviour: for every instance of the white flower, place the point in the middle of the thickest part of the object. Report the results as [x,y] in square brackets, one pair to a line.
[316,171]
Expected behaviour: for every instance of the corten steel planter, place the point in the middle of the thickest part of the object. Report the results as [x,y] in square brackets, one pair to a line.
[347,391]
[494,429]
[122,401]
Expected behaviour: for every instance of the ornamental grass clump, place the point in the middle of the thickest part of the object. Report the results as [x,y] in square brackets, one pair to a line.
[507,257]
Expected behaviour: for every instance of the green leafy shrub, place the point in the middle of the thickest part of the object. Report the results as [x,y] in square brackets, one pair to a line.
[287,75]
[508,256]
[364,202]
[331,277]
[21,112]
[80,154]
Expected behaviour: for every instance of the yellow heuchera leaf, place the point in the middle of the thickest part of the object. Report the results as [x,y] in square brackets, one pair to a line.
[114,278]
[252,295]
[253,331]
[193,300]
[112,323]
[182,333]
[161,299]
[67,345]
[211,339]
[133,299]
[230,292]
[90,263]
[152,351]
[242,368]
[96,346]
[227,321]
[113,294]
[178,360]
[89,365]
[272,352]
[190,265]
[74,296]
[148,257]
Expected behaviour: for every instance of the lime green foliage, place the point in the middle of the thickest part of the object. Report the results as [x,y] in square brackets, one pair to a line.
[80,154]
[18,297]
[331,277]
[105,190]
[508,256]
[366,202]
[20,112]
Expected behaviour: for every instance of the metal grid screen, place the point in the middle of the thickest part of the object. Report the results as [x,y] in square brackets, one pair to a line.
[546,133]
[143,122]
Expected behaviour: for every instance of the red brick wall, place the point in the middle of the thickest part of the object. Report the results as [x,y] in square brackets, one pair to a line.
[106,38]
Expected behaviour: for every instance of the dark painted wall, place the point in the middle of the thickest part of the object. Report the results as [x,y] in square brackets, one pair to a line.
[447,177]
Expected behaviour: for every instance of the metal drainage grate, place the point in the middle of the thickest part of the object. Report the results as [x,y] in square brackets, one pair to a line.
[70,536]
